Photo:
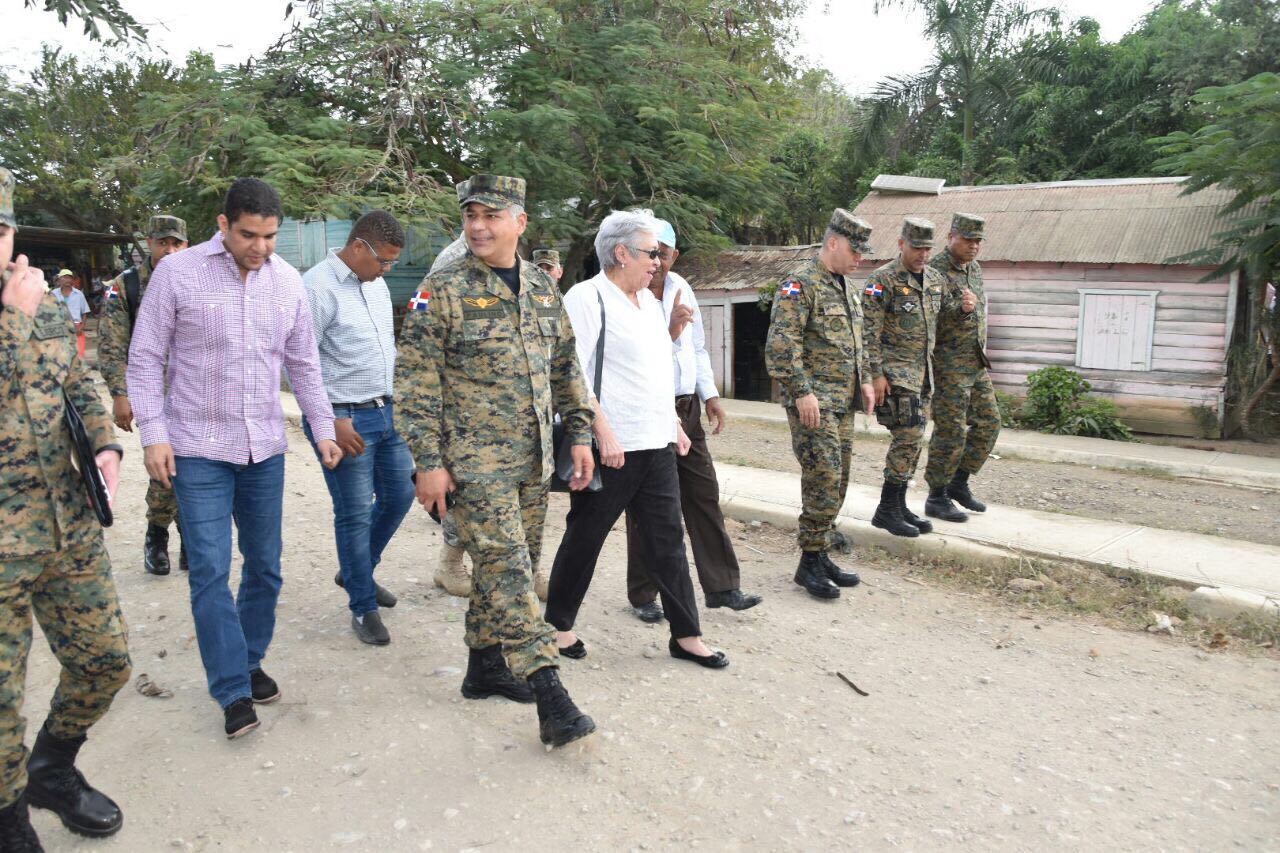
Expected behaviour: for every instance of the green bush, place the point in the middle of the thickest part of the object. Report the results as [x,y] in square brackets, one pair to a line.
[1010,407]
[1058,402]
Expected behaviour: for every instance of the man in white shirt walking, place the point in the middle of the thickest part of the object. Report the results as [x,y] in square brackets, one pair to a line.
[717,564]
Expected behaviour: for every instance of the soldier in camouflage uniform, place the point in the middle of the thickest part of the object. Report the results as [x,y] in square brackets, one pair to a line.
[52,558]
[486,357]
[815,351]
[965,394]
[901,304]
[165,235]
[548,260]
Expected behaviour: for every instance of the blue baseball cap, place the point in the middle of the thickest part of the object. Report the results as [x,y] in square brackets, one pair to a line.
[666,234]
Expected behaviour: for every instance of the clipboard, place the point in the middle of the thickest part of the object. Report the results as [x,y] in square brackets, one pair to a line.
[95,485]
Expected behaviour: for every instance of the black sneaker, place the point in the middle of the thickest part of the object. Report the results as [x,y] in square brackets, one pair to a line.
[650,613]
[383,596]
[264,688]
[369,629]
[240,718]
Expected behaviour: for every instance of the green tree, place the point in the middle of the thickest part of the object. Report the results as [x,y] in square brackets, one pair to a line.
[92,13]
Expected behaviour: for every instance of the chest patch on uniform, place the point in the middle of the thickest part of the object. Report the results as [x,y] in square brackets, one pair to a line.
[908,306]
[874,288]
[905,290]
[791,288]
[420,300]
[113,292]
[49,331]
[545,299]
[481,302]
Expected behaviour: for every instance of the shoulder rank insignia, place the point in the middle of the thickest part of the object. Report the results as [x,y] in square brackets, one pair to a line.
[113,292]
[874,288]
[420,300]
[791,288]
[480,301]
[546,299]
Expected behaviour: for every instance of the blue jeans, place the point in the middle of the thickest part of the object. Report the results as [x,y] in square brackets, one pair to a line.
[371,494]
[233,636]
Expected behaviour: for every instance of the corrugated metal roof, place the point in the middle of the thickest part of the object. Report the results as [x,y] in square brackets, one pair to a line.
[745,267]
[907,184]
[1128,221]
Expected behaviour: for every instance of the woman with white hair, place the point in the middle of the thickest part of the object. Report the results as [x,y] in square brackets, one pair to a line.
[638,435]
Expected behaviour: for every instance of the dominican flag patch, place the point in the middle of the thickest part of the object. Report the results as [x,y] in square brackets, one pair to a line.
[791,288]
[874,288]
[113,292]
[420,300]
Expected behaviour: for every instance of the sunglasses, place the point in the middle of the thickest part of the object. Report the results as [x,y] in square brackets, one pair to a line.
[653,254]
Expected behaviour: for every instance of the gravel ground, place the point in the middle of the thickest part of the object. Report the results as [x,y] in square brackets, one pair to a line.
[1154,500]
[987,726]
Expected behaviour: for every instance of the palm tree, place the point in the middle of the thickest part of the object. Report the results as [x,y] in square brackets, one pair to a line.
[969,74]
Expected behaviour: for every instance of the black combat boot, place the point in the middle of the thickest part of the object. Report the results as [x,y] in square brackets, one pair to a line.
[559,720]
[958,491]
[488,675]
[838,575]
[889,512]
[812,575]
[910,517]
[182,555]
[54,783]
[940,506]
[155,550]
[17,835]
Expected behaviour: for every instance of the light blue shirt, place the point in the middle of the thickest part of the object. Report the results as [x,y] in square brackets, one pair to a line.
[77,306]
[354,331]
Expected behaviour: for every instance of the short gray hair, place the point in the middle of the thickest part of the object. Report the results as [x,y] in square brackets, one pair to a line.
[620,228]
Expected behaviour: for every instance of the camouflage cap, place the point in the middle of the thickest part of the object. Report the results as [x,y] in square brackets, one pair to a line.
[461,188]
[167,226]
[493,191]
[6,198]
[967,225]
[857,230]
[917,232]
[546,256]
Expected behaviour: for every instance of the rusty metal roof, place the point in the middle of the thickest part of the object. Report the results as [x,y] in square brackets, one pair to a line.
[1122,221]
[745,267]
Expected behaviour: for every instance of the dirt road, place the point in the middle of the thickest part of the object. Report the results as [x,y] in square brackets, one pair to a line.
[985,726]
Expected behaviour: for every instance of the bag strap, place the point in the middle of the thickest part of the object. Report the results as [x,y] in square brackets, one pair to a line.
[599,347]
[132,287]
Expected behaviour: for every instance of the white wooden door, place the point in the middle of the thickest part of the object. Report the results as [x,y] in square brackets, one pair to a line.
[713,329]
[1116,329]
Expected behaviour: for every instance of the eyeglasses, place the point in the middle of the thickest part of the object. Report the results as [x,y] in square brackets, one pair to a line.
[385,264]
[653,254]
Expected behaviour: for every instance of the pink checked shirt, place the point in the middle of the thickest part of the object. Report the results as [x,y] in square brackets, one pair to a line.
[225,340]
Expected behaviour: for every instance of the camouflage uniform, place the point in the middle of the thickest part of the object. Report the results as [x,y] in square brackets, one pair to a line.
[115,331]
[815,347]
[546,256]
[900,327]
[52,557]
[964,392]
[480,372]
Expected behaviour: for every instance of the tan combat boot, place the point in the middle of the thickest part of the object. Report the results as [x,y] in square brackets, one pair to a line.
[540,583]
[451,574]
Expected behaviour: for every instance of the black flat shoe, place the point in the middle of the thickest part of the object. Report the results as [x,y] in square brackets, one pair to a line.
[716,660]
[577,651]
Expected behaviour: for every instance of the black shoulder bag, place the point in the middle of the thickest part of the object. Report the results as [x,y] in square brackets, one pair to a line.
[132,289]
[561,447]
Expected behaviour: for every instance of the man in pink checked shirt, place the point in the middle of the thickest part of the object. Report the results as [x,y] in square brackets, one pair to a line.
[226,315]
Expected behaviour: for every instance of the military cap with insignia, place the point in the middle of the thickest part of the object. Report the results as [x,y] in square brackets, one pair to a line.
[967,225]
[162,226]
[546,256]
[917,232]
[498,191]
[857,230]
[6,198]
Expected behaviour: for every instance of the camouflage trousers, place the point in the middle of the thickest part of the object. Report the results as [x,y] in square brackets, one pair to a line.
[162,505]
[823,454]
[966,421]
[74,597]
[904,450]
[500,525]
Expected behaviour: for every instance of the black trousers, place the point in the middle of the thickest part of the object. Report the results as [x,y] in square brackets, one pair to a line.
[648,486]
[713,553]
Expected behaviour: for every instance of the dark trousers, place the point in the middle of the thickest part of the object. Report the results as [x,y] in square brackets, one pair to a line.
[713,554]
[647,484]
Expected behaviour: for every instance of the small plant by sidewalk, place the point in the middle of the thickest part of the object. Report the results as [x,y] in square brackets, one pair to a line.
[1058,402]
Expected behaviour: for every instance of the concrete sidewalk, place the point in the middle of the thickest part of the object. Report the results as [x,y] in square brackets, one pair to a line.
[1232,468]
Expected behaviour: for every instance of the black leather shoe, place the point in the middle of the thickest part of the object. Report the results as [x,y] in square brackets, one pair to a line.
[939,505]
[17,835]
[155,550]
[559,720]
[889,512]
[812,575]
[838,576]
[715,660]
[958,491]
[54,783]
[369,629]
[381,595]
[734,599]
[488,675]
[239,718]
[650,613]
[577,651]
[263,687]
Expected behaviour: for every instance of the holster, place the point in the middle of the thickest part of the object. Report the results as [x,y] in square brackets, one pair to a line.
[901,410]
